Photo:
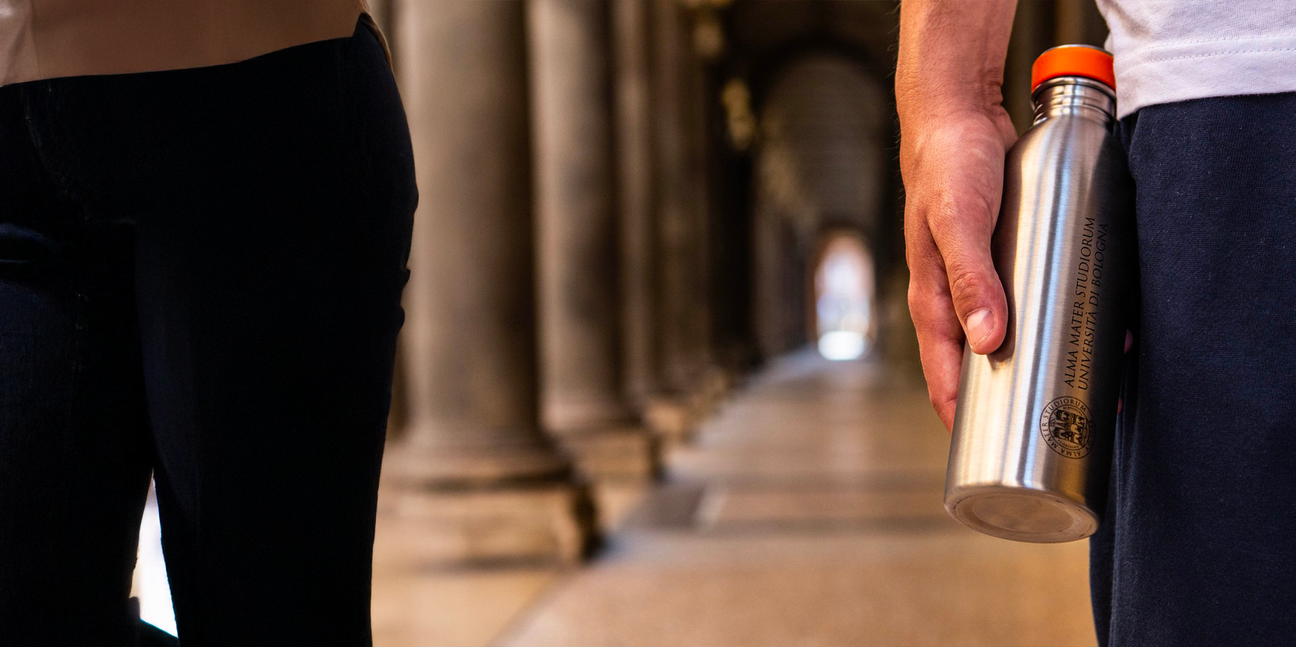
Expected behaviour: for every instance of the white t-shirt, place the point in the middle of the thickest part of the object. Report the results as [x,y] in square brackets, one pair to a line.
[1174,50]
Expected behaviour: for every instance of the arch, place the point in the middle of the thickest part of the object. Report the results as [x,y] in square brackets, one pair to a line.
[843,313]
[820,165]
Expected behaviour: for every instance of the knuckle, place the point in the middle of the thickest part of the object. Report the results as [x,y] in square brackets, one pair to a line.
[944,210]
[963,203]
[967,286]
[916,296]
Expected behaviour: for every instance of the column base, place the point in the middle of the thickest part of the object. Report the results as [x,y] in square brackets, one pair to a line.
[616,453]
[551,523]
[713,386]
[671,417]
[474,506]
[486,464]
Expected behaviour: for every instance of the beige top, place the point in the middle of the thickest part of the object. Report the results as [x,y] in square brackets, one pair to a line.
[42,39]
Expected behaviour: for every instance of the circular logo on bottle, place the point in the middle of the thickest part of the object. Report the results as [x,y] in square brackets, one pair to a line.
[1067,427]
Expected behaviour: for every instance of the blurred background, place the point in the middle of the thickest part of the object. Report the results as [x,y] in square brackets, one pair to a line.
[658,385]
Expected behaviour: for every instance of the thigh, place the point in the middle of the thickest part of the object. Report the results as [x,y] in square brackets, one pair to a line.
[1204,543]
[74,457]
[274,207]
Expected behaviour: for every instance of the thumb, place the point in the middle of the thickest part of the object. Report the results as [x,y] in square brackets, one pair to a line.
[978,298]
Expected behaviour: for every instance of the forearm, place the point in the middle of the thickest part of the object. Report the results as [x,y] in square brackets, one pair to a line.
[951,57]
[954,134]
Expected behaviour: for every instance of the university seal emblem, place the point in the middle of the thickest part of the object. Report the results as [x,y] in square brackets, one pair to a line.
[1066,426]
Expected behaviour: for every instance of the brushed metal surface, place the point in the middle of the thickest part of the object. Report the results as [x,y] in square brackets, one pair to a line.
[1031,447]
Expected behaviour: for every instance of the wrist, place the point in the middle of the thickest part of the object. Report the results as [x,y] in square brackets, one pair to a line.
[935,102]
[936,137]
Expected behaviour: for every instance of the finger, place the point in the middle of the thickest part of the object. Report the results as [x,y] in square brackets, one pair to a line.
[946,359]
[940,341]
[963,236]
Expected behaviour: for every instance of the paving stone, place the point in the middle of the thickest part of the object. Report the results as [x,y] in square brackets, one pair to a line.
[805,512]
[808,512]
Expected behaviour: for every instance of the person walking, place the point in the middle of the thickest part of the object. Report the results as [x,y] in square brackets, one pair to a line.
[1199,544]
[205,215]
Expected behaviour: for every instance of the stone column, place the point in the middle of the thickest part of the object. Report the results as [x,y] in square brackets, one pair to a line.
[474,460]
[583,401]
[671,409]
[767,280]
[710,381]
[690,382]
[1078,21]
[382,14]
[636,198]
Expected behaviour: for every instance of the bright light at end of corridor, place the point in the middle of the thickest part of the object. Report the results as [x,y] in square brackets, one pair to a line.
[841,345]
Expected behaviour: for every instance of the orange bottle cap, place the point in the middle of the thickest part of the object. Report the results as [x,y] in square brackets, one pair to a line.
[1073,60]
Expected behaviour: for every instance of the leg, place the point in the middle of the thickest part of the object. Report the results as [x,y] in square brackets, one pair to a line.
[1204,538]
[274,201]
[74,454]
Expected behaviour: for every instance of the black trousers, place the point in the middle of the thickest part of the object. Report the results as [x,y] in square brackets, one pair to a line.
[1200,544]
[200,278]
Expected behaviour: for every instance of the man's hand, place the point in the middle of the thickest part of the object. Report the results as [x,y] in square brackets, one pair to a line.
[954,136]
[953,175]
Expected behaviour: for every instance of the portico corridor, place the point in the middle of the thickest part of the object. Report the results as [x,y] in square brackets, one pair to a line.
[807,511]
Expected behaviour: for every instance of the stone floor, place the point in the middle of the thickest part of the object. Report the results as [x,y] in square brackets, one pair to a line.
[807,512]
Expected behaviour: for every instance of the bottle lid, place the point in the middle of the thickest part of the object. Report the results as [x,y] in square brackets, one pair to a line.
[1073,60]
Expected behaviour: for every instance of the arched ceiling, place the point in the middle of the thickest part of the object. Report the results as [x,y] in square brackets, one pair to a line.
[822,158]
[762,35]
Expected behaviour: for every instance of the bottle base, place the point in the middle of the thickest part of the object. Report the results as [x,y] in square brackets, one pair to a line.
[1021,514]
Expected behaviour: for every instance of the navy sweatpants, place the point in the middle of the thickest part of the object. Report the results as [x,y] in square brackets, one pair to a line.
[1200,548]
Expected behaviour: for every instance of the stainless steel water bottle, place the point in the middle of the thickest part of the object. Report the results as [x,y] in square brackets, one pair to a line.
[1033,432]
